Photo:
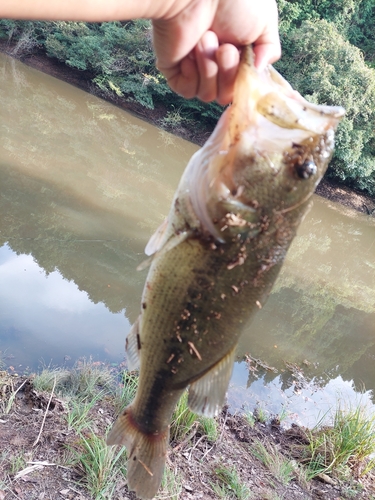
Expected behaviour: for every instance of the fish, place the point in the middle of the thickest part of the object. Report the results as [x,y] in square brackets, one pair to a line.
[215,258]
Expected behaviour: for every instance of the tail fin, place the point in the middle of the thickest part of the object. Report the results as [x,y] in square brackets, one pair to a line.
[146,454]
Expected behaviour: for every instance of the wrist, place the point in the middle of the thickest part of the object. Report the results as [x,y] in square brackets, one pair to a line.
[168,9]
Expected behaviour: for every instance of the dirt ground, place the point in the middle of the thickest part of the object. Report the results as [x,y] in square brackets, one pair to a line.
[45,471]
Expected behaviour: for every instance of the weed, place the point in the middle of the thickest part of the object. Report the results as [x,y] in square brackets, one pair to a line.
[16,462]
[83,380]
[43,382]
[170,486]
[173,120]
[250,419]
[231,485]
[352,490]
[275,462]
[99,464]
[220,490]
[87,377]
[260,415]
[7,406]
[209,428]
[126,391]
[78,412]
[283,415]
[183,419]
[345,445]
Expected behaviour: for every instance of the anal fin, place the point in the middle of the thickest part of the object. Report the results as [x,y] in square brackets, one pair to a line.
[207,394]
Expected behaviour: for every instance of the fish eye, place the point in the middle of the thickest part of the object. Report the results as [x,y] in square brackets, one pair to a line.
[306,170]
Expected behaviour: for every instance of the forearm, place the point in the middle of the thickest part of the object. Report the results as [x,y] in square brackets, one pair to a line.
[86,10]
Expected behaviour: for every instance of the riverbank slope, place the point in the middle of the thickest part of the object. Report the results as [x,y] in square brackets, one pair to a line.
[53,427]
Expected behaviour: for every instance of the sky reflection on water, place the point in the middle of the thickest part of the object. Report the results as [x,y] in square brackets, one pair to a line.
[46,319]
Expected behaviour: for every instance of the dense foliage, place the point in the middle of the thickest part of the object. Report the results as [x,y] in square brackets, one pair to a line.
[119,58]
[328,55]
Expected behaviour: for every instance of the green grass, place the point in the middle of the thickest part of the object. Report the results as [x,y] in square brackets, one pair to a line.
[229,485]
[2,362]
[98,464]
[126,391]
[77,416]
[209,428]
[171,486]
[344,446]
[260,414]
[84,380]
[43,381]
[16,462]
[279,466]
[250,419]
[184,419]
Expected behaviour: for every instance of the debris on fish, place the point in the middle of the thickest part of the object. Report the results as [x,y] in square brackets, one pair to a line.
[216,257]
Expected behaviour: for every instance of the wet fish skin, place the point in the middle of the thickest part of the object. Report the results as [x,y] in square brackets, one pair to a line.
[233,217]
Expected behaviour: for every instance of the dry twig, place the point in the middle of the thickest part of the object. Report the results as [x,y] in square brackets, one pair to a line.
[45,414]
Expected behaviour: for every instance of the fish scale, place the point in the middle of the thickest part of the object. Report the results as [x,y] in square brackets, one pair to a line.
[216,257]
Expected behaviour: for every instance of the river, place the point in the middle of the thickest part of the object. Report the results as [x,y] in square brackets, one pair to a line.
[84,184]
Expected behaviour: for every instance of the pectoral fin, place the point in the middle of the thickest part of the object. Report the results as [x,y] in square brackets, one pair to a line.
[158,239]
[207,394]
[168,245]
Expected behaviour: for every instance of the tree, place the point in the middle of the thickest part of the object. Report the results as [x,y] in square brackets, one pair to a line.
[324,67]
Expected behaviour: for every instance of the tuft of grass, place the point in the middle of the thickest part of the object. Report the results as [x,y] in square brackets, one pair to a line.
[77,416]
[11,393]
[99,465]
[280,467]
[250,419]
[17,462]
[2,362]
[84,380]
[183,419]
[282,416]
[43,381]
[171,486]
[230,485]
[209,428]
[346,445]
[87,378]
[260,414]
[220,490]
[126,391]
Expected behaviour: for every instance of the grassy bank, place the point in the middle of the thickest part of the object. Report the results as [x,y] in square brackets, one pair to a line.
[53,427]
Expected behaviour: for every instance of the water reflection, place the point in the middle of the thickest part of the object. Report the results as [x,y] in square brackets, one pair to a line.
[46,318]
[82,187]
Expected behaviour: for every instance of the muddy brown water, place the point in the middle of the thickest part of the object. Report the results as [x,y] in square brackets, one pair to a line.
[83,185]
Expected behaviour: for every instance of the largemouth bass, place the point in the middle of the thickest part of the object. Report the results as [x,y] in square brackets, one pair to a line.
[215,259]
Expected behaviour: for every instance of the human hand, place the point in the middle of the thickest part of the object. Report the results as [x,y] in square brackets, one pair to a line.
[196,43]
